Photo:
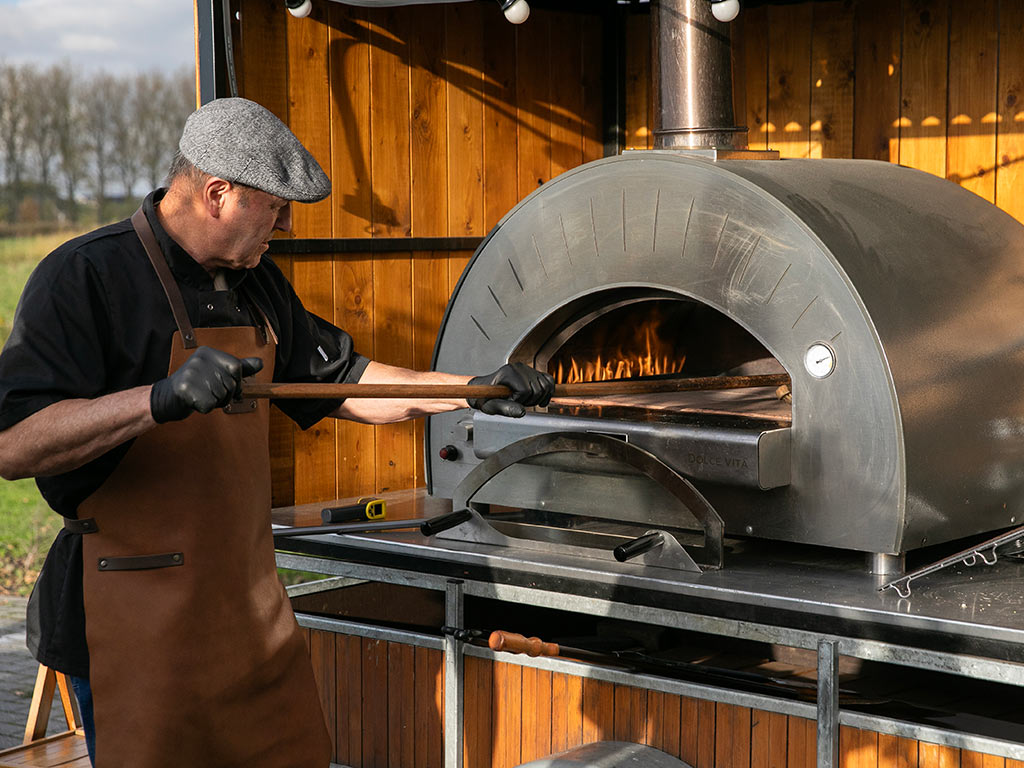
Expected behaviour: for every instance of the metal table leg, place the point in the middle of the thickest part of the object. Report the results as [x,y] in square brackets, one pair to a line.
[454,662]
[828,704]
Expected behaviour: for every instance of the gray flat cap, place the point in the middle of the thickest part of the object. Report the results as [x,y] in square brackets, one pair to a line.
[241,141]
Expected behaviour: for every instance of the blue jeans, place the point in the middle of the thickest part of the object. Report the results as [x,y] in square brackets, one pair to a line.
[83,692]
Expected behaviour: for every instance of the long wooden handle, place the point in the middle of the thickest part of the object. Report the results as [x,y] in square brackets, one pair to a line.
[446,391]
[510,642]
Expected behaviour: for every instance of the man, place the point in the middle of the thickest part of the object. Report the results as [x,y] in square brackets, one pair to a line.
[118,392]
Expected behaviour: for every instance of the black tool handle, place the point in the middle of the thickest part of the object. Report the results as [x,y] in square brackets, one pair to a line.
[435,525]
[637,546]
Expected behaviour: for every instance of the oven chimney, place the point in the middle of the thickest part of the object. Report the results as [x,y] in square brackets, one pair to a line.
[692,78]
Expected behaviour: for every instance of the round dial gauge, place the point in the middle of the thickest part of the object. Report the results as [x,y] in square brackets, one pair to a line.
[819,360]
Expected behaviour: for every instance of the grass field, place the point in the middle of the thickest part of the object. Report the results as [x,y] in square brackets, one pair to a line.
[27,525]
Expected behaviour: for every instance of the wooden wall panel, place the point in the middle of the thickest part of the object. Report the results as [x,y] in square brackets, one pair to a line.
[832,79]
[768,739]
[1010,125]
[639,133]
[533,102]
[924,93]
[752,29]
[879,34]
[789,79]
[972,107]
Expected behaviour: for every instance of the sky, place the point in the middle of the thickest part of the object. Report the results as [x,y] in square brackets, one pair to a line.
[119,36]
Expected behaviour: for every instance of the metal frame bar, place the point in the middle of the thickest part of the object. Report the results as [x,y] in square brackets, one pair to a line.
[454,675]
[825,711]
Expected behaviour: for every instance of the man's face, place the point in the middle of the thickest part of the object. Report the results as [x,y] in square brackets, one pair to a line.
[248,220]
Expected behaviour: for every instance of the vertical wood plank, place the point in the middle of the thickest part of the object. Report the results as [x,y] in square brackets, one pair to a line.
[789,79]
[973,97]
[500,182]
[832,79]
[688,730]
[531,716]
[559,713]
[465,121]
[876,122]
[393,345]
[401,704]
[392,217]
[430,192]
[706,726]
[374,705]
[478,723]
[897,752]
[349,695]
[937,756]
[1010,126]
[533,102]
[507,712]
[638,716]
[654,733]
[598,710]
[670,736]
[638,131]
[309,117]
[592,48]
[567,125]
[801,747]
[923,113]
[542,705]
[353,214]
[623,713]
[768,740]
[573,711]
[732,736]
[755,75]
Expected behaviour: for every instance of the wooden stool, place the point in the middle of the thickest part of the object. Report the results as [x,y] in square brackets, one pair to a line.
[42,699]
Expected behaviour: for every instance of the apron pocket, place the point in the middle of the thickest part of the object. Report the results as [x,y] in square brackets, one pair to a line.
[141,562]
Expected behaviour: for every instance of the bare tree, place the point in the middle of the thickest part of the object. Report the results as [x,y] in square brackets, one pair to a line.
[42,138]
[67,120]
[13,126]
[101,99]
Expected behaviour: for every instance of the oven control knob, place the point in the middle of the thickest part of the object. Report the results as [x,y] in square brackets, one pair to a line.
[449,453]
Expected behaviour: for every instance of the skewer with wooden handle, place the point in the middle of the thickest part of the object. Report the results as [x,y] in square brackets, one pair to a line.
[446,391]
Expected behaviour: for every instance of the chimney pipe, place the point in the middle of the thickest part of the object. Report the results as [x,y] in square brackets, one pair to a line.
[692,78]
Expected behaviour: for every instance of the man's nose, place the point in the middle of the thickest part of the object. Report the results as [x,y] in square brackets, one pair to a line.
[284,219]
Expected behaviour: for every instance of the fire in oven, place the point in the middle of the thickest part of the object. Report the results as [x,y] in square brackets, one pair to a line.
[885,303]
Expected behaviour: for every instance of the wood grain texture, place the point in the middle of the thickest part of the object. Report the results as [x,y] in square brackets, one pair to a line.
[789,79]
[639,133]
[897,752]
[478,735]
[323,658]
[706,727]
[465,124]
[973,98]
[688,730]
[924,94]
[937,756]
[832,79]
[533,103]
[1010,126]
[566,93]
[754,73]
[598,710]
[768,739]
[401,691]
[501,170]
[374,704]
[591,78]
[348,692]
[732,736]
[879,32]
[801,746]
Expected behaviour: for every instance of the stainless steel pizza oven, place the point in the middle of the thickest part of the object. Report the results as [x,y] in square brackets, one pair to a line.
[892,299]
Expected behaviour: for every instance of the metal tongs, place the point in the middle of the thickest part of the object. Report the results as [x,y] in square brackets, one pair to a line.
[984,553]
[427,526]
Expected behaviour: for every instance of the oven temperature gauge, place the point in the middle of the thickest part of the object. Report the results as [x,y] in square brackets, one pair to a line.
[819,360]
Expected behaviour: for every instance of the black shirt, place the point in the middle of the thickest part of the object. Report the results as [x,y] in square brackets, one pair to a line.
[93,319]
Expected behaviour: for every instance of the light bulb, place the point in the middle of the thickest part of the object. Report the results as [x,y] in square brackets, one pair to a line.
[299,10]
[725,10]
[517,12]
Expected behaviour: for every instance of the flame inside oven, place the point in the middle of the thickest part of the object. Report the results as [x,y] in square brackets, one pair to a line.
[621,346]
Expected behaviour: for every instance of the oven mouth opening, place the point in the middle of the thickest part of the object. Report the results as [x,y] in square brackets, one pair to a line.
[649,335]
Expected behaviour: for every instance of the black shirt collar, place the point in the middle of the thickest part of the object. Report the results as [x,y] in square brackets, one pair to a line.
[184,267]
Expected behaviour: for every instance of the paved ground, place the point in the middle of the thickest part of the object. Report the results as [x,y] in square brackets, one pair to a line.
[18,675]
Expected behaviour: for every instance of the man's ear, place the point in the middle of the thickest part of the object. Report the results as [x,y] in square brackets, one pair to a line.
[214,196]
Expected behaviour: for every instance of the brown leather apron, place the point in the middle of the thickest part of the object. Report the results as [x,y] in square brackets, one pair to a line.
[195,657]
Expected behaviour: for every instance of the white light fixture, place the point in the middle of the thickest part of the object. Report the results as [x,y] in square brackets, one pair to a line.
[516,11]
[725,10]
[300,9]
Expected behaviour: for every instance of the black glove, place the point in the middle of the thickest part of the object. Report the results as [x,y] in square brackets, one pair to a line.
[529,387]
[208,379]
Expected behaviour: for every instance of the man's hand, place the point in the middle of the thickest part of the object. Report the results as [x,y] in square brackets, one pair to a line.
[208,379]
[529,387]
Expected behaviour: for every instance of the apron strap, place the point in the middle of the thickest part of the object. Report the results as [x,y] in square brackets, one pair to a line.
[171,290]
